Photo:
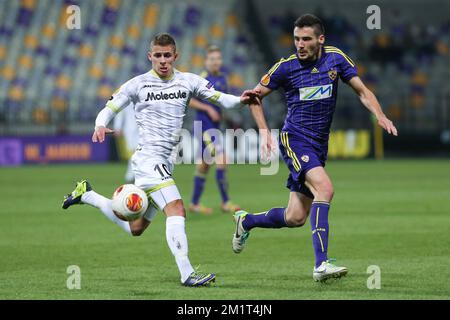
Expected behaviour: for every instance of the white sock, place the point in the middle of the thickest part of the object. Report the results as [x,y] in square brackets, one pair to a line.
[104,204]
[177,241]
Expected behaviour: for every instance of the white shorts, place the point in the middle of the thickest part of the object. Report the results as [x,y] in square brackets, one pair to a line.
[154,176]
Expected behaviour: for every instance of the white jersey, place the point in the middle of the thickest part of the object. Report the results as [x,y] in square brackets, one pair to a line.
[160,106]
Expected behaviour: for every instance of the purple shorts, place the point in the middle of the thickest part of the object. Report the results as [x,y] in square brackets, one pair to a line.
[300,156]
[211,143]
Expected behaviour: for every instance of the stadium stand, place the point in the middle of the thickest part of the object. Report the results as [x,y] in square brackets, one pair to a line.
[55,80]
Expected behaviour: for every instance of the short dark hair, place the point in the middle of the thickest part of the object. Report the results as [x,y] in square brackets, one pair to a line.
[310,20]
[212,48]
[163,39]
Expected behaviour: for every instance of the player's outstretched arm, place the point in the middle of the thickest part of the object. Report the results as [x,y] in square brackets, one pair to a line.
[267,143]
[369,100]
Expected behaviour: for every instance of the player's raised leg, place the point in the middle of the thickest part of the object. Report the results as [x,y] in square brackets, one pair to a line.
[84,193]
[322,189]
[294,215]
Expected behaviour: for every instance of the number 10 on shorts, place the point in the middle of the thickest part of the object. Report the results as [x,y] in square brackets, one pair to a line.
[163,171]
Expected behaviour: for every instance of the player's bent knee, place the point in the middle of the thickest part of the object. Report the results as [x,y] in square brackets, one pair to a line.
[175,208]
[295,218]
[325,192]
[296,222]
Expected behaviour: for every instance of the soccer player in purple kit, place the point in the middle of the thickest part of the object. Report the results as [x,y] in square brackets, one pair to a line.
[209,116]
[310,79]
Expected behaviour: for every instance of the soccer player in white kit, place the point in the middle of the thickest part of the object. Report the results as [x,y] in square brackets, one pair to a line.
[125,127]
[160,98]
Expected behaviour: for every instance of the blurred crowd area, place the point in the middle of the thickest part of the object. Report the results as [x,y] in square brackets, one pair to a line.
[54,80]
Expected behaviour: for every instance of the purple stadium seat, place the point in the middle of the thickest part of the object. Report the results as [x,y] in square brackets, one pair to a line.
[109,16]
[69,61]
[42,51]
[127,50]
[24,16]
[91,31]
[6,32]
[192,16]
[175,31]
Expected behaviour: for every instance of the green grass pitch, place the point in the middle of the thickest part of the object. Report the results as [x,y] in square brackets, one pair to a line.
[394,214]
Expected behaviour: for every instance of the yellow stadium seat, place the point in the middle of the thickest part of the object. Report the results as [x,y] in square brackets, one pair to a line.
[2,52]
[40,116]
[105,91]
[48,31]
[30,41]
[26,62]
[8,72]
[232,21]
[285,40]
[200,41]
[29,4]
[420,79]
[114,4]
[417,100]
[86,51]
[197,61]
[96,72]
[16,93]
[58,104]
[116,41]
[112,61]
[236,80]
[151,15]
[63,82]
[217,31]
[133,31]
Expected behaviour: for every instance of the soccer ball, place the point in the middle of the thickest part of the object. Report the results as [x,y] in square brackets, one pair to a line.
[129,202]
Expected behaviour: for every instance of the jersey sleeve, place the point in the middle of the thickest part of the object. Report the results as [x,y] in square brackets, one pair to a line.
[347,68]
[125,95]
[275,77]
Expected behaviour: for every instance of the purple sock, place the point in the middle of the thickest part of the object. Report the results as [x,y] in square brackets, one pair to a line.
[274,218]
[199,184]
[319,227]
[222,184]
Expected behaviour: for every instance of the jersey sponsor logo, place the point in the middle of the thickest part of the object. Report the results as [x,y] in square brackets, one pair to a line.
[166,96]
[316,93]
[332,74]
[265,80]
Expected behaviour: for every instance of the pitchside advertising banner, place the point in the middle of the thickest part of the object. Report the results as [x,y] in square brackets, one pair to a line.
[15,151]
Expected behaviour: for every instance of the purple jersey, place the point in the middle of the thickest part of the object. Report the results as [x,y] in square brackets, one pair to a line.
[220,84]
[310,91]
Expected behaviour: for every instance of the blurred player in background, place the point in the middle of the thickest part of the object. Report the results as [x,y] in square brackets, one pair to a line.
[160,98]
[209,116]
[127,133]
[310,79]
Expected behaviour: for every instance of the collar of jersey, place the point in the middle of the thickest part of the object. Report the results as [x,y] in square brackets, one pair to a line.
[153,72]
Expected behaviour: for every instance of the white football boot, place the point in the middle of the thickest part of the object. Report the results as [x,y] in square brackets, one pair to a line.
[328,270]
[240,236]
